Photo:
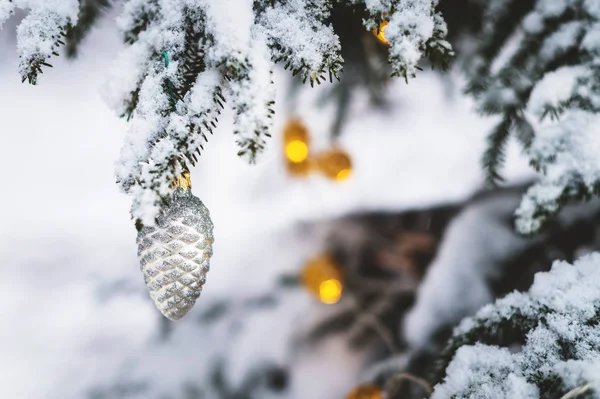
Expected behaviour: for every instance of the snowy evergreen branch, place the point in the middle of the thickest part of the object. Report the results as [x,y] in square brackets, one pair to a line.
[41,32]
[288,23]
[186,58]
[494,154]
[414,29]
[552,331]
[550,72]
[567,155]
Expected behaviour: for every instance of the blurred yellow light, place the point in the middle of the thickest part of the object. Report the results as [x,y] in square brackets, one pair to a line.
[296,151]
[322,277]
[343,174]
[335,164]
[330,291]
[380,32]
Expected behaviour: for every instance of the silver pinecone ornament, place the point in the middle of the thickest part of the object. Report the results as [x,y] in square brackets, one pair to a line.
[175,254]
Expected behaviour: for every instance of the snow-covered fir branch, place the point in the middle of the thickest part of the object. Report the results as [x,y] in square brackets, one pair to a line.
[41,32]
[414,29]
[538,344]
[540,60]
[187,58]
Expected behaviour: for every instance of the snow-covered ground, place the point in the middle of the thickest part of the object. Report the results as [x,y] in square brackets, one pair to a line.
[66,234]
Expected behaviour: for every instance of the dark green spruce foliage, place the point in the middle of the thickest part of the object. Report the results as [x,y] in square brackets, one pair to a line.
[89,13]
[506,92]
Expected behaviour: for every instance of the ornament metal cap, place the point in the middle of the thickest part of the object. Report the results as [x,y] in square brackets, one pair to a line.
[183,181]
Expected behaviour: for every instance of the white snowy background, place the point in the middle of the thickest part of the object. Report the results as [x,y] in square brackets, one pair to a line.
[65,230]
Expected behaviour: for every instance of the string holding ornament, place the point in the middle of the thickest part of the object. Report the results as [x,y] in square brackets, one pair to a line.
[175,253]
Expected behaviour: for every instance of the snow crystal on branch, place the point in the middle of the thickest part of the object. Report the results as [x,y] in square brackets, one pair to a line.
[41,33]
[486,371]
[252,98]
[300,39]
[567,156]
[414,29]
[245,60]
[565,151]
[555,328]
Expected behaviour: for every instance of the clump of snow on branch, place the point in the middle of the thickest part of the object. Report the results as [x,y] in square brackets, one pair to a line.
[565,149]
[552,74]
[39,34]
[558,321]
[252,98]
[567,155]
[486,372]
[414,28]
[288,24]
[187,58]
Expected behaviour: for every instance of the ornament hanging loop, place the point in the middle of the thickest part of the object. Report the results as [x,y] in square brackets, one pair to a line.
[183,181]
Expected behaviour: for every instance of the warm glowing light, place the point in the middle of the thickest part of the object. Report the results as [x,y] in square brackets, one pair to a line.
[295,130]
[296,148]
[335,164]
[322,277]
[368,391]
[343,174]
[330,291]
[380,32]
[296,151]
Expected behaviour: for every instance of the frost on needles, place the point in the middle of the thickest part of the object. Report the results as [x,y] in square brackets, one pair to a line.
[537,68]
[41,32]
[185,59]
[543,343]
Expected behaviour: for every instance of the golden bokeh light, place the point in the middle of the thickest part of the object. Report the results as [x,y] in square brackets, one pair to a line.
[380,32]
[335,164]
[296,151]
[330,291]
[343,174]
[322,277]
[368,391]
[299,169]
[296,148]
[295,130]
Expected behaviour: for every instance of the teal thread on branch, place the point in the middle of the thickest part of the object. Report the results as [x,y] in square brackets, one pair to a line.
[169,84]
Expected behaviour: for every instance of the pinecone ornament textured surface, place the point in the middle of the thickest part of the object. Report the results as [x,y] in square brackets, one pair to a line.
[175,254]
